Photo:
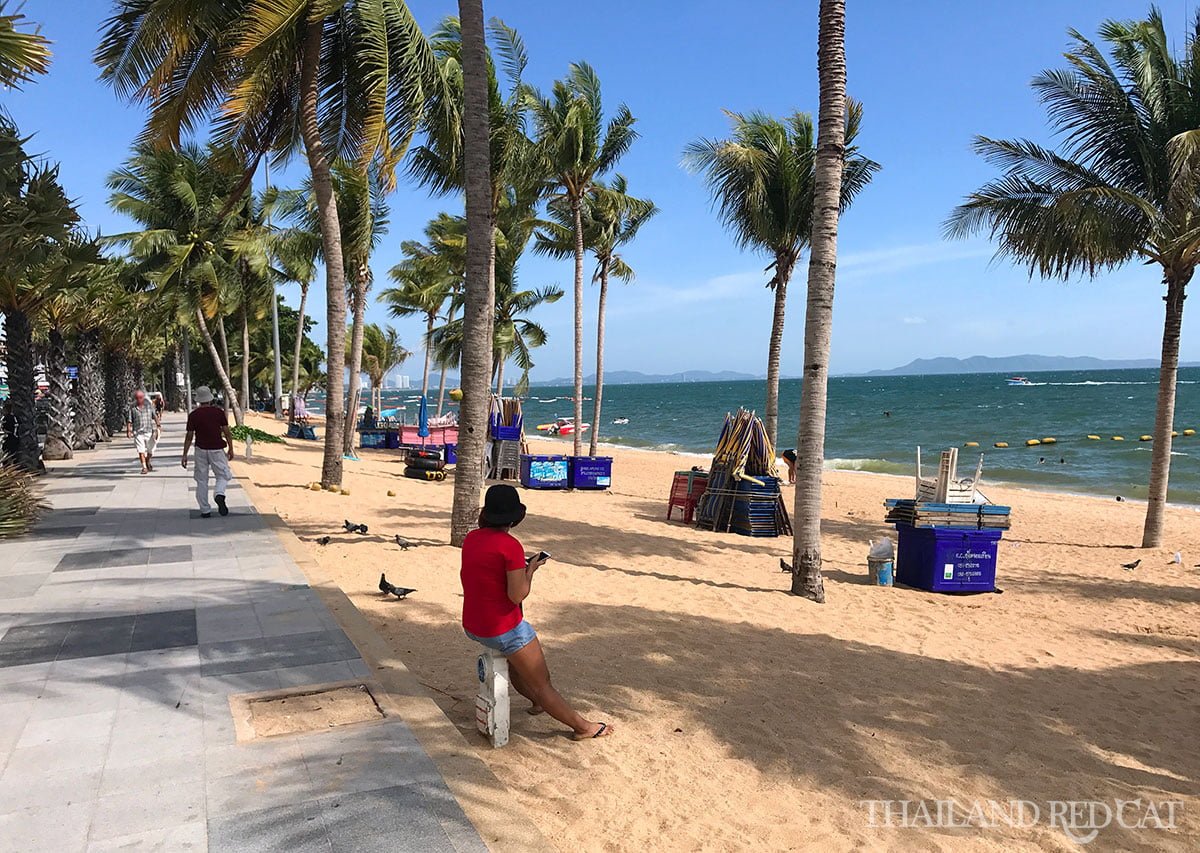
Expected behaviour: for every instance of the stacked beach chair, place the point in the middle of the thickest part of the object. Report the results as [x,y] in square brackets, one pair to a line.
[506,430]
[743,494]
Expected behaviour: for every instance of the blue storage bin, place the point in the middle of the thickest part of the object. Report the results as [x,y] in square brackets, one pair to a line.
[504,433]
[373,439]
[451,454]
[591,472]
[393,439]
[545,472]
[947,559]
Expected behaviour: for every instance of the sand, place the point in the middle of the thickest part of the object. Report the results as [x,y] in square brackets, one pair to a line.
[750,719]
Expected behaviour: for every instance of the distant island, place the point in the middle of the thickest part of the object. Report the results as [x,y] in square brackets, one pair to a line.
[634,377]
[1015,364]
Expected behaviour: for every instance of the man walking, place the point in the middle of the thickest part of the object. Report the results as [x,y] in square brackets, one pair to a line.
[209,428]
[142,423]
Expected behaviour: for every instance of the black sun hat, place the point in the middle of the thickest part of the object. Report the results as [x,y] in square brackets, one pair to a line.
[502,505]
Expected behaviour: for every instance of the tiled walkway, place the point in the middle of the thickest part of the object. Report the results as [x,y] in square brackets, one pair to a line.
[126,622]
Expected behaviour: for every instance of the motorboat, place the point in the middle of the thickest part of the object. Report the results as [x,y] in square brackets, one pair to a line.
[562,426]
[1019,380]
[620,421]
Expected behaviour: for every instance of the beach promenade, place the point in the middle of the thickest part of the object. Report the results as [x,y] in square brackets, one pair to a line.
[126,624]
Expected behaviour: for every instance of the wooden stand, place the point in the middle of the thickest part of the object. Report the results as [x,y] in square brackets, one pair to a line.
[491,704]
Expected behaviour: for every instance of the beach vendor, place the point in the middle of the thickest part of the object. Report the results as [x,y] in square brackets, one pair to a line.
[496,578]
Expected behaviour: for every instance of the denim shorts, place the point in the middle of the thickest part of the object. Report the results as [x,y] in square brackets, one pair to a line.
[510,642]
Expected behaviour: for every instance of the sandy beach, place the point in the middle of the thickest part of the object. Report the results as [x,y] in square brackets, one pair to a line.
[749,719]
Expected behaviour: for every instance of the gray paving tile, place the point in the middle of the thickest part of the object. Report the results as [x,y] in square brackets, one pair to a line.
[296,828]
[36,762]
[73,788]
[62,829]
[22,586]
[155,805]
[369,820]
[184,838]
[79,728]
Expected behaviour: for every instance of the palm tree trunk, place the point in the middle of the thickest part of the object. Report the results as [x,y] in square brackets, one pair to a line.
[60,424]
[226,385]
[577,214]
[1164,418]
[480,296]
[818,317]
[21,382]
[172,395]
[296,354]
[187,371]
[783,274]
[115,398]
[89,389]
[442,371]
[599,357]
[429,321]
[245,355]
[331,243]
[359,303]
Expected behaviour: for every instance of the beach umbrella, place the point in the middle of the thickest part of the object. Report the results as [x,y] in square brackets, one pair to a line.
[423,419]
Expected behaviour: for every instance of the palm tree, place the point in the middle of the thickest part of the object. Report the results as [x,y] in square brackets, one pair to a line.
[577,148]
[182,201]
[828,200]
[347,79]
[382,353]
[763,182]
[611,219]
[423,287]
[479,291]
[22,54]
[36,221]
[1123,187]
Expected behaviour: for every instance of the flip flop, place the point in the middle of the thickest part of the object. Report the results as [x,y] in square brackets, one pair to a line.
[600,732]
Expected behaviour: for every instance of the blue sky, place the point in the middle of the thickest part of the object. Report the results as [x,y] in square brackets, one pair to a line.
[930,77]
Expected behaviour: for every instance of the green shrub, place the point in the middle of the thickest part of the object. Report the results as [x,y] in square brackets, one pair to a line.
[21,504]
[240,433]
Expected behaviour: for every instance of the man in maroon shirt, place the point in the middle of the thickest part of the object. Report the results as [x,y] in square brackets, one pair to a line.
[209,428]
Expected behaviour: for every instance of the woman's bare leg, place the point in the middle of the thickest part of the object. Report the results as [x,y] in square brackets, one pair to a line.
[520,687]
[529,665]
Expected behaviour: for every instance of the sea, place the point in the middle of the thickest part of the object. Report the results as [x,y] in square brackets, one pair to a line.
[875,423]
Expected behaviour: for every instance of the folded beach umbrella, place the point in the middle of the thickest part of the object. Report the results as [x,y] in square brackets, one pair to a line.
[423,419]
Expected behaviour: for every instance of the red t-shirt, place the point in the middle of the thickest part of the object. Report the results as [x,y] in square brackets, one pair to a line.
[488,555]
[206,422]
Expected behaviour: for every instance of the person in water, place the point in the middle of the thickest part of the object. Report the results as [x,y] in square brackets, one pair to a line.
[789,456]
[496,578]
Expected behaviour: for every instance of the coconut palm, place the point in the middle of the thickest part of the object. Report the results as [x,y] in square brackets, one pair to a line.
[189,206]
[348,79]
[1124,185]
[22,53]
[832,164]
[479,287]
[762,180]
[611,219]
[576,147]
[382,353]
[423,287]
[36,221]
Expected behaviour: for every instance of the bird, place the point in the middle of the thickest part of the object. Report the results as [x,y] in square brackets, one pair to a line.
[351,527]
[402,542]
[1131,566]
[324,540]
[386,588]
[783,566]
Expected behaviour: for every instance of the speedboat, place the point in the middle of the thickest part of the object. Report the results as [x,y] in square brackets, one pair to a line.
[620,421]
[1019,380]
[562,426]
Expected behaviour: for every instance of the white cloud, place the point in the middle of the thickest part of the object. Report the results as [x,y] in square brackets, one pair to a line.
[913,321]
[874,262]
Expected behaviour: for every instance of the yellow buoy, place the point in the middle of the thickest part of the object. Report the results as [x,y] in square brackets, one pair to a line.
[1001,444]
[456,394]
[1033,442]
[971,444]
[1050,440]
[1174,434]
[334,489]
[315,487]
[1145,438]
[345,491]
[1118,438]
[1189,432]
[391,494]
[1093,438]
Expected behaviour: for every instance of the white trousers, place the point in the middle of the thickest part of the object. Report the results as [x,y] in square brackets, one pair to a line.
[218,462]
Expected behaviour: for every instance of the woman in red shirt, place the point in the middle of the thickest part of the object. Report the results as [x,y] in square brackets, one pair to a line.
[496,578]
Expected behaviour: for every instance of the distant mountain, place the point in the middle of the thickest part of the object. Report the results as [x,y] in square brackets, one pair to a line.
[1015,364]
[634,377]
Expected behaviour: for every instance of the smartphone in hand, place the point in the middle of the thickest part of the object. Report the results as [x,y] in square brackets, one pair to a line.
[539,557]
